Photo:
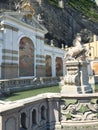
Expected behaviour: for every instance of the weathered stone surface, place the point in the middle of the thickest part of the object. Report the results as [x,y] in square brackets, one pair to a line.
[76,80]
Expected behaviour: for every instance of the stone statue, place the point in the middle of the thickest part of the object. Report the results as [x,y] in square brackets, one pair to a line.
[77,51]
[76,79]
[39,18]
[18,5]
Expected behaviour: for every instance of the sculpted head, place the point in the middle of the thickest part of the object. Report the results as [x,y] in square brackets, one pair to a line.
[78,38]
[77,41]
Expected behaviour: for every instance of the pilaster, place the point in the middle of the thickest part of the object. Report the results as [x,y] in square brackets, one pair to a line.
[53,66]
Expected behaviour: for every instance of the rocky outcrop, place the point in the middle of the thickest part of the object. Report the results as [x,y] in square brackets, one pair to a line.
[63,23]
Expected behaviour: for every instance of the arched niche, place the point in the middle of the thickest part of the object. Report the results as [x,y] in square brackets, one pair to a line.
[34,118]
[26,57]
[43,113]
[59,66]
[23,121]
[48,62]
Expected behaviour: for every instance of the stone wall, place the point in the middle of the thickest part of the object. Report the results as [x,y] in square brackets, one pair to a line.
[9,71]
[24,54]
[51,111]
[8,86]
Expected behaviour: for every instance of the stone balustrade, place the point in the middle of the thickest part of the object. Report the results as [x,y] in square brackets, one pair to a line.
[8,86]
[51,111]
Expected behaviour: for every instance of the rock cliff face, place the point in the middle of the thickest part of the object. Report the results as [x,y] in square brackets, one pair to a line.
[60,23]
[64,23]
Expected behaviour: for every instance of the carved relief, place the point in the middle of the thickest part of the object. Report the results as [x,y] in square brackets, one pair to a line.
[72,79]
[73,75]
[79,111]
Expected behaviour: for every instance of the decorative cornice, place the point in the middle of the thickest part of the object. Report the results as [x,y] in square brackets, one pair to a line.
[9,27]
[9,16]
[41,38]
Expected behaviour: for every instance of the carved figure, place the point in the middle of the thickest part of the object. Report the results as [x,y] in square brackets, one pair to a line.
[18,5]
[78,51]
[39,18]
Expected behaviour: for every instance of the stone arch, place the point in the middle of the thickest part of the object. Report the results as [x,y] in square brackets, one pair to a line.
[23,120]
[34,117]
[43,113]
[59,66]
[48,62]
[26,57]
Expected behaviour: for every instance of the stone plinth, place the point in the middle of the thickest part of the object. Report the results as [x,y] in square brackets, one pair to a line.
[77,79]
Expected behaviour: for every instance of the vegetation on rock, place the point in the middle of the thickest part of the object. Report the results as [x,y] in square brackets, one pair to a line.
[87,7]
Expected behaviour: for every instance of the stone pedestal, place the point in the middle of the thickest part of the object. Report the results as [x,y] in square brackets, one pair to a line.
[77,79]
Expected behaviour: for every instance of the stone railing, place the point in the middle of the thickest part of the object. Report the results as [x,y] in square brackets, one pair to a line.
[81,108]
[8,86]
[51,112]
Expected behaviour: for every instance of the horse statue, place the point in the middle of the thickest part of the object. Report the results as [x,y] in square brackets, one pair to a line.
[78,51]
